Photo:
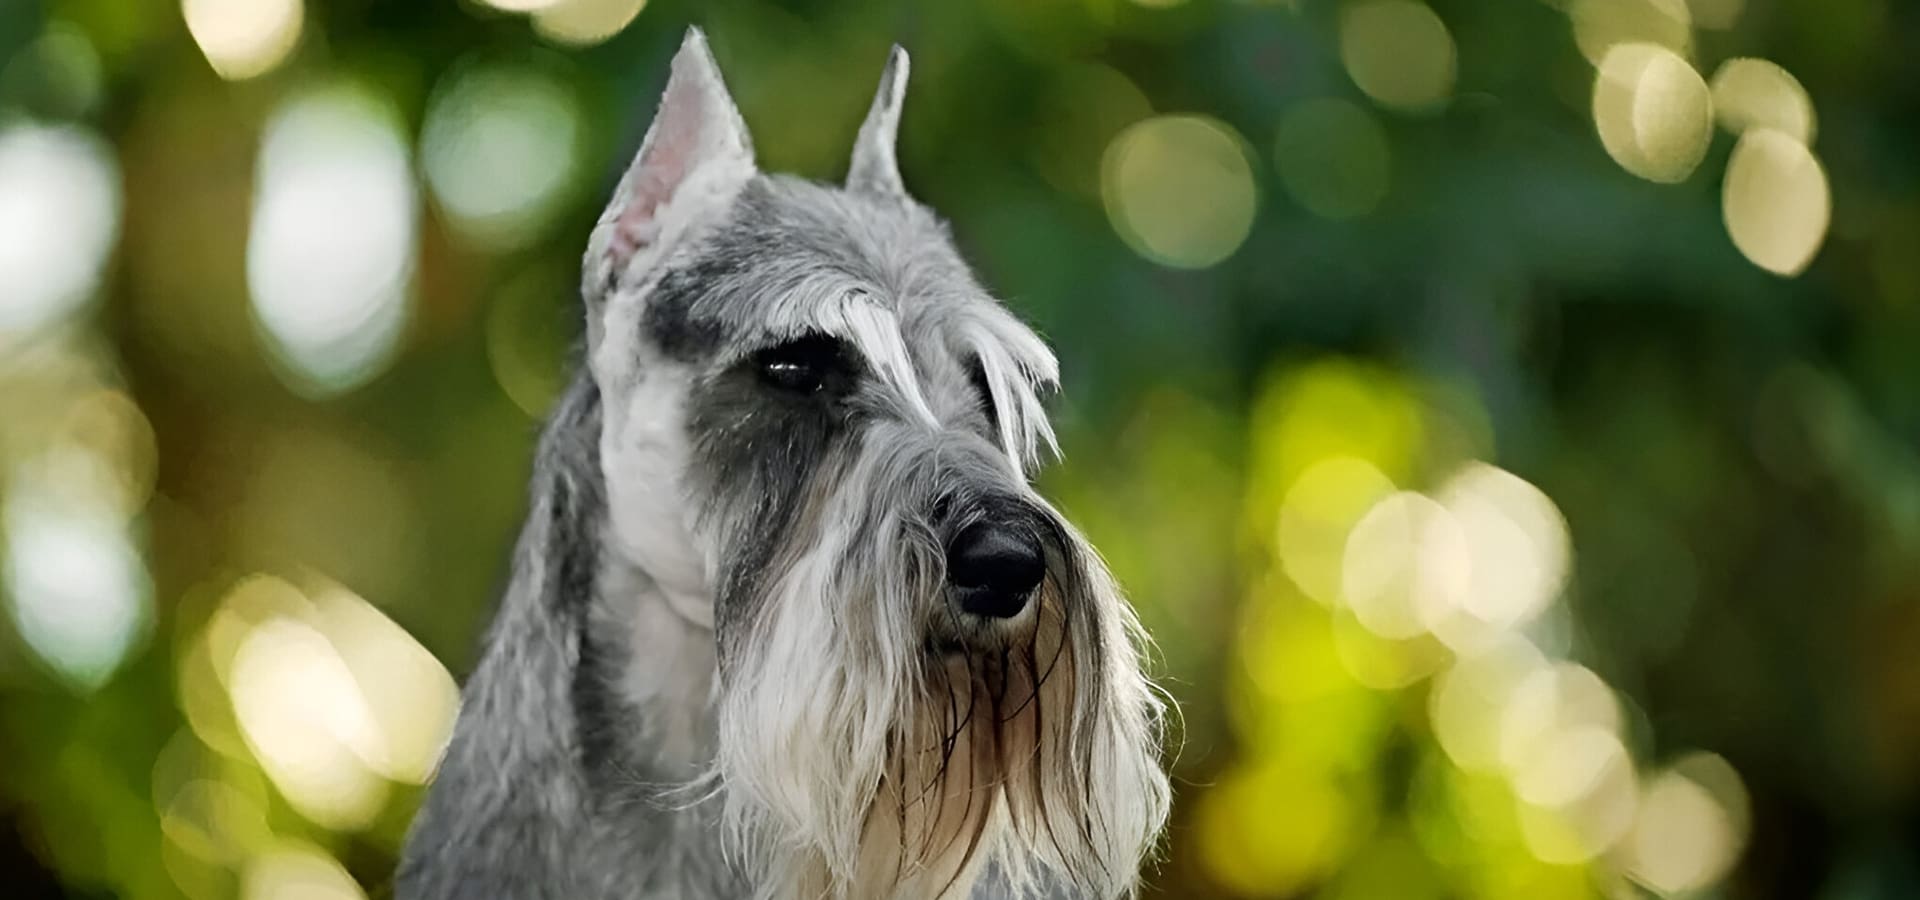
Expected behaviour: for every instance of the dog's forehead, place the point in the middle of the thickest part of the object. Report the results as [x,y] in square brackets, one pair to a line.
[789,251]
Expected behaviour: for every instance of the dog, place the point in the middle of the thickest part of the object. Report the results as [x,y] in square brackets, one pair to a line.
[787,618]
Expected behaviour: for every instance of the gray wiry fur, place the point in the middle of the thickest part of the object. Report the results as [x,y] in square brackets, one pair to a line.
[728,663]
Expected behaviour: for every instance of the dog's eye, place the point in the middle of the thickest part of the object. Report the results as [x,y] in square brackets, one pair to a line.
[804,365]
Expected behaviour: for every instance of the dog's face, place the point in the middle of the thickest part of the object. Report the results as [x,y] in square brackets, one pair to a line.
[818,431]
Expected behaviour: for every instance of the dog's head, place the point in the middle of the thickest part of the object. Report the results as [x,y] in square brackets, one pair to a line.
[818,431]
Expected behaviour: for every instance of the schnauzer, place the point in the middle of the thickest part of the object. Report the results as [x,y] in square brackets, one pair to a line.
[787,619]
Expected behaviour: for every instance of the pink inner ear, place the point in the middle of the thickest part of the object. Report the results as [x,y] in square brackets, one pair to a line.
[670,153]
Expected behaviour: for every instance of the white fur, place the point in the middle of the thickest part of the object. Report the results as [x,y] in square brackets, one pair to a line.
[643,452]
[828,735]
[1018,366]
[670,674]
[875,331]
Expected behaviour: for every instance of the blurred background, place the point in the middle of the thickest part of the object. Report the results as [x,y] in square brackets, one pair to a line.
[1504,413]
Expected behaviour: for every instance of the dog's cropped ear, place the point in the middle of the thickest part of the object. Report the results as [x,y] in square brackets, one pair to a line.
[875,168]
[696,154]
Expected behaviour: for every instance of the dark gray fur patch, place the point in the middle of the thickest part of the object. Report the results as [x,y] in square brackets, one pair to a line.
[759,452]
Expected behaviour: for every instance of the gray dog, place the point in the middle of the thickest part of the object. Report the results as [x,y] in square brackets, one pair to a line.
[787,619]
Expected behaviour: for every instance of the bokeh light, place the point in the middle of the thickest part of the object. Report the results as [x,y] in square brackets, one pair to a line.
[1317,516]
[78,589]
[501,149]
[213,808]
[103,454]
[79,474]
[582,23]
[1775,201]
[1653,111]
[1384,664]
[1715,775]
[65,69]
[1517,554]
[297,872]
[1406,555]
[522,6]
[1568,765]
[332,248]
[303,715]
[205,664]
[1577,795]
[1754,93]
[1469,702]
[1601,25]
[1180,190]
[1548,702]
[1289,656]
[1334,159]
[211,827]
[1316,412]
[1691,827]
[1398,52]
[244,38]
[1257,853]
[409,695]
[331,696]
[59,216]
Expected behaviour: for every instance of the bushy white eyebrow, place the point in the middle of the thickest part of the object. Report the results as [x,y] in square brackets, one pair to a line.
[874,330]
[1017,366]
[831,305]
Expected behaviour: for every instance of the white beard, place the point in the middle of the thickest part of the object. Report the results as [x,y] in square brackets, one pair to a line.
[854,763]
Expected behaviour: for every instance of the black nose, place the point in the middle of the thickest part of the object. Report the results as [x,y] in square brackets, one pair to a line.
[995,568]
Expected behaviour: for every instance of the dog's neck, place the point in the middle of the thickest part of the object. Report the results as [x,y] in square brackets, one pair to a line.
[588,713]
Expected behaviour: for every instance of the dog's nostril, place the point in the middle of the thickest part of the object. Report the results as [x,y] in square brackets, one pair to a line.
[995,567]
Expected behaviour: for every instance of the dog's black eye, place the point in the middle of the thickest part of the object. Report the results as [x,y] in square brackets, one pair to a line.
[805,365]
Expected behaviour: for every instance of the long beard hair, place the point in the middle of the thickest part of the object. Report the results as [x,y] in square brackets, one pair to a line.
[859,756]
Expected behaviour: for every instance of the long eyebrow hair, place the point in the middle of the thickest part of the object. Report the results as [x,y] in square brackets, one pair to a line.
[874,331]
[1018,368]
